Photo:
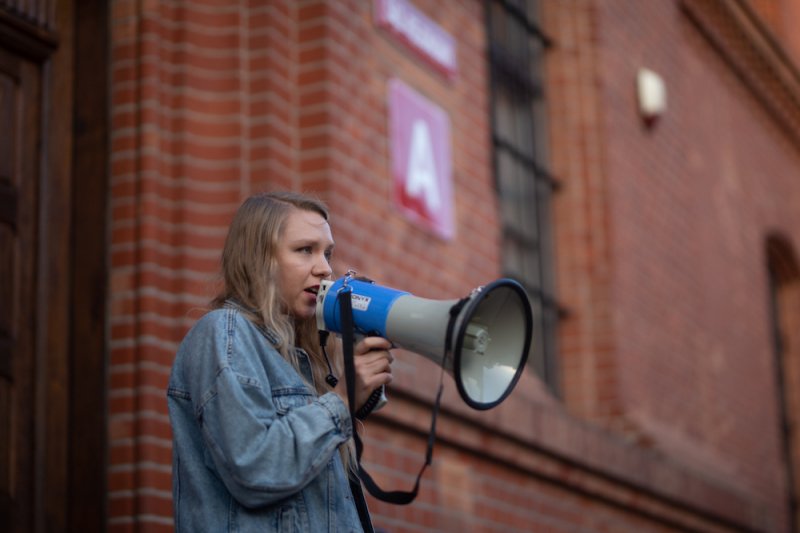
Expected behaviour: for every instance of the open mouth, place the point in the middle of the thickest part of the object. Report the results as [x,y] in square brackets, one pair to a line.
[313,290]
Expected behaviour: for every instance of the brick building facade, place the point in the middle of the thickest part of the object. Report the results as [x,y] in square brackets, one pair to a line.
[675,247]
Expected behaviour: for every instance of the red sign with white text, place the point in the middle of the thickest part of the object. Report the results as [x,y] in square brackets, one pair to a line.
[419,140]
[421,34]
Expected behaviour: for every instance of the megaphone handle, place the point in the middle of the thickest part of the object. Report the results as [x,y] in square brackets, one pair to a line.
[383,400]
[375,401]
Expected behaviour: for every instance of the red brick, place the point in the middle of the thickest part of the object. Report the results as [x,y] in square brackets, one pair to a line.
[658,242]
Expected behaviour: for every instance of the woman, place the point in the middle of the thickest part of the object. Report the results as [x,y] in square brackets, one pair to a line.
[261,440]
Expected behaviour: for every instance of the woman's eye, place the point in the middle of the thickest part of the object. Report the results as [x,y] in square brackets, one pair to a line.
[304,249]
[328,256]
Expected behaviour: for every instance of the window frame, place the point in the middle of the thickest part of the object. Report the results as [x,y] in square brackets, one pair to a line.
[516,46]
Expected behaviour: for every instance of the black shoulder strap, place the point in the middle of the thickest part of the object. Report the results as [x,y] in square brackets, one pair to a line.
[348,338]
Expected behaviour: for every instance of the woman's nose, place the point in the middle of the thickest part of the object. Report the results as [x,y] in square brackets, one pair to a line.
[322,268]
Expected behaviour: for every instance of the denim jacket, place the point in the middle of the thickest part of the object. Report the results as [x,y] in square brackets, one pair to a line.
[254,449]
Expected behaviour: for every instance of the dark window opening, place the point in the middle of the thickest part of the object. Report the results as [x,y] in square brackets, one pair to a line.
[783,283]
[524,185]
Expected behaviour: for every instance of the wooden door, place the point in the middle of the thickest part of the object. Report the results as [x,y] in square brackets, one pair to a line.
[53,116]
[20,134]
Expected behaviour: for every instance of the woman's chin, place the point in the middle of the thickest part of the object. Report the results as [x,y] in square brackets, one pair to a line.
[305,313]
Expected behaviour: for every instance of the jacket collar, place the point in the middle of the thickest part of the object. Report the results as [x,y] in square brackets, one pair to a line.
[269,333]
[272,337]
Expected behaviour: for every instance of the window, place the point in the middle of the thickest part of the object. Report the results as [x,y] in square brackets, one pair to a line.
[524,186]
[784,302]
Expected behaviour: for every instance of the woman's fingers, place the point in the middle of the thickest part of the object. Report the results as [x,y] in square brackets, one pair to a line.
[368,344]
[373,362]
[374,357]
[374,366]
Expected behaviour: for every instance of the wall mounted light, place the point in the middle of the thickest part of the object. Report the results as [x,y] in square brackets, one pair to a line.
[652,95]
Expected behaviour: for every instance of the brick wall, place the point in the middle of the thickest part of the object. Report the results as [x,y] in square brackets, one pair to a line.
[668,342]
[668,417]
[181,127]
[699,200]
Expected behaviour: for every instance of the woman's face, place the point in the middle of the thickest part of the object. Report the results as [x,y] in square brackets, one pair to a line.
[304,249]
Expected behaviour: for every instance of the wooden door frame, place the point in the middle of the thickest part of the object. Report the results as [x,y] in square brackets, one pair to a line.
[67,480]
[88,443]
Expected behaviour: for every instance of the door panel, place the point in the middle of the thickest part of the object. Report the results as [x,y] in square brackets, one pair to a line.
[20,83]
[8,216]
[53,76]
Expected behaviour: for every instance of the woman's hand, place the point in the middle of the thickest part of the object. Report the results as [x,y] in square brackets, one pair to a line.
[373,362]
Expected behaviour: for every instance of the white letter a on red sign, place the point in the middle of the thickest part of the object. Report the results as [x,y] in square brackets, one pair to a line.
[421,178]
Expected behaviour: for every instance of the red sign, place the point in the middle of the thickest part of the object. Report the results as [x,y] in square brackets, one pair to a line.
[410,25]
[419,137]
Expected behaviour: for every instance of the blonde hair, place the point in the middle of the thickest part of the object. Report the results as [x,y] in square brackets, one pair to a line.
[249,272]
[250,268]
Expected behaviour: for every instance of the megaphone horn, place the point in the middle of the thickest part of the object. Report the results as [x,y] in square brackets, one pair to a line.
[481,340]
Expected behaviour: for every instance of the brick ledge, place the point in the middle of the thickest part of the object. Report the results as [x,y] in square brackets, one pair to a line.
[748,47]
[544,441]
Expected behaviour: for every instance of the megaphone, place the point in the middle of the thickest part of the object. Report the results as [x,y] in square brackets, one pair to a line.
[481,340]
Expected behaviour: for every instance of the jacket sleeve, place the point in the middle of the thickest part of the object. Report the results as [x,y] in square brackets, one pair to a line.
[265,443]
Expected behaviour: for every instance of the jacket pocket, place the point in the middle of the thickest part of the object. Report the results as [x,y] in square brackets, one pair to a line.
[286,399]
[287,520]
[292,516]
